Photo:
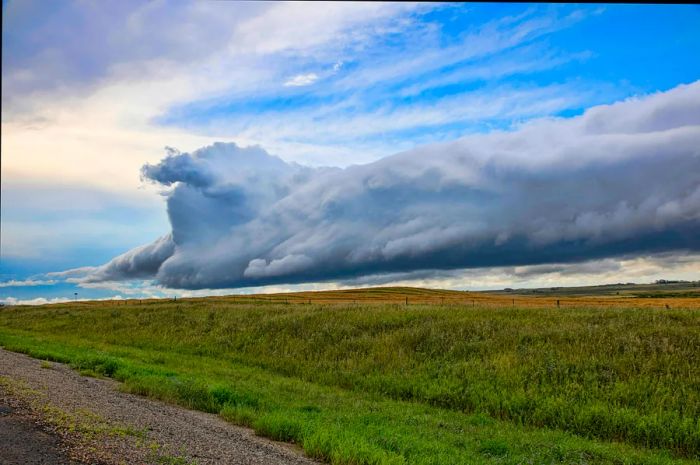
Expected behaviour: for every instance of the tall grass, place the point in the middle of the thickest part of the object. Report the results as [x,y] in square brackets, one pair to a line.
[623,375]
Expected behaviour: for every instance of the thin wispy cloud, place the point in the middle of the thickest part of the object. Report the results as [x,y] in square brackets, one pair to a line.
[301,80]
[386,88]
[27,282]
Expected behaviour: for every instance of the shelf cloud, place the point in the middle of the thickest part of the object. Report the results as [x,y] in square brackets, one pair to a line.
[619,179]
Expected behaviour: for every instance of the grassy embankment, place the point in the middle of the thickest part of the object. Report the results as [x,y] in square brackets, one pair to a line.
[387,383]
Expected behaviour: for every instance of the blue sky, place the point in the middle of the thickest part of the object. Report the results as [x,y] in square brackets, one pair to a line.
[92,92]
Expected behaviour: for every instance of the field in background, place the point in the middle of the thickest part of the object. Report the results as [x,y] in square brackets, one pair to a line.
[659,290]
[361,377]
[632,295]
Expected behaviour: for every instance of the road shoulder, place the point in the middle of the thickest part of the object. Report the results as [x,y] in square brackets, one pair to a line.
[97,423]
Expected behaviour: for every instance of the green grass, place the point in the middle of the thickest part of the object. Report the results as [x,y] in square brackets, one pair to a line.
[390,384]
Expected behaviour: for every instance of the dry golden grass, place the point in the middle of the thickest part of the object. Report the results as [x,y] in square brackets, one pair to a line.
[414,296]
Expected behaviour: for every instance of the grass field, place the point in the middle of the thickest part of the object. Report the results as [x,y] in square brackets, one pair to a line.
[669,289]
[359,377]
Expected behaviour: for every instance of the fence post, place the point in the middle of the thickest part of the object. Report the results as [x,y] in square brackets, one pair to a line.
[557,303]
[406,300]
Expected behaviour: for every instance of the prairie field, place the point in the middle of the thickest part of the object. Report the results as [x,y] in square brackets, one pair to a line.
[402,375]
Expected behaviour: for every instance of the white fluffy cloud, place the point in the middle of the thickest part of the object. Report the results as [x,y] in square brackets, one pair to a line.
[619,179]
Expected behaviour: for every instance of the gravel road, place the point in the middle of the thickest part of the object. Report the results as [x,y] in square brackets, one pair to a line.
[163,429]
[23,442]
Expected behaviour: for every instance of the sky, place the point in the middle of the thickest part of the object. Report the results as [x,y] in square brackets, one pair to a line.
[204,148]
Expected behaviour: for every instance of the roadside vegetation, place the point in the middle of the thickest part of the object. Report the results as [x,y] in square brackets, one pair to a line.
[450,382]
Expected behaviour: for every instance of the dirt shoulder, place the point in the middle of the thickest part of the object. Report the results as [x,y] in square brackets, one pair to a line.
[24,442]
[89,420]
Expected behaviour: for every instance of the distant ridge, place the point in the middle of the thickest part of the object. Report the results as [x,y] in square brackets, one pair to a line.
[654,295]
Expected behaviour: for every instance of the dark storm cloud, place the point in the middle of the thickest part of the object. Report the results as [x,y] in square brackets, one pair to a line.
[141,262]
[620,179]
